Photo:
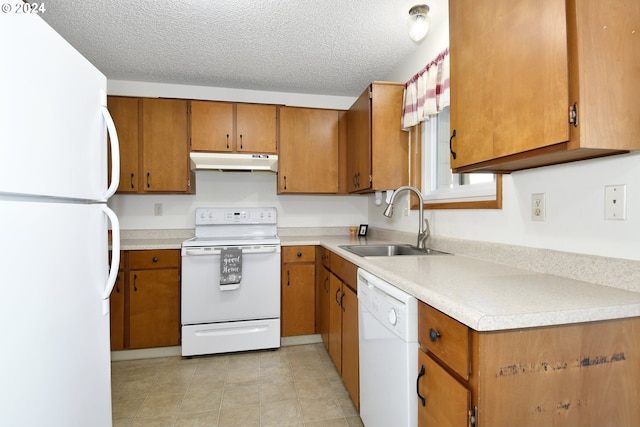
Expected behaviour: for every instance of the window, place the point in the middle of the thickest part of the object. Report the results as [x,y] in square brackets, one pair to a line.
[443,189]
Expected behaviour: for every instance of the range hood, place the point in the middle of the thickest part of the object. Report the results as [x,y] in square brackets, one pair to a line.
[234,162]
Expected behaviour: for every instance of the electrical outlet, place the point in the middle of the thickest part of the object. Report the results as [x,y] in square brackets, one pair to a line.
[538,208]
[615,201]
[157,209]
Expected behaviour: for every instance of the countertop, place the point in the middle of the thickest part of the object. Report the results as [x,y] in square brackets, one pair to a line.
[483,295]
[487,296]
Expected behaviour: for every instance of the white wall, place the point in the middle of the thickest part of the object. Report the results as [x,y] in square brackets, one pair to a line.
[235,189]
[574,199]
[239,189]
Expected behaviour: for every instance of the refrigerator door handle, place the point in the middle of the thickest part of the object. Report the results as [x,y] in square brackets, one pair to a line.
[115,252]
[115,154]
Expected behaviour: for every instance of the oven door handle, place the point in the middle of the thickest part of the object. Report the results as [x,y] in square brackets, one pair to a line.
[216,251]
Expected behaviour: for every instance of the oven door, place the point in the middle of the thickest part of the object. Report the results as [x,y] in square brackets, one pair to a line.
[257,297]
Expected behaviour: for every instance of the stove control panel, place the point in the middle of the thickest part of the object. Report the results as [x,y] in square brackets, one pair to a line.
[228,216]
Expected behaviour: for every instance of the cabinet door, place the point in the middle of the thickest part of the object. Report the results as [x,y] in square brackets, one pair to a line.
[308,161]
[389,153]
[335,321]
[322,305]
[359,143]
[509,77]
[350,346]
[211,126]
[447,402]
[154,308]
[116,309]
[126,116]
[298,299]
[165,146]
[256,128]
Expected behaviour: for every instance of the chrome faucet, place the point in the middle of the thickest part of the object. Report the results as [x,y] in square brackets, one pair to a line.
[423,224]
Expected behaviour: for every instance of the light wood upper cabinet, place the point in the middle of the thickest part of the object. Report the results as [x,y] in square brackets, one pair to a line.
[212,126]
[125,112]
[377,148]
[230,127]
[309,150]
[518,67]
[165,159]
[154,145]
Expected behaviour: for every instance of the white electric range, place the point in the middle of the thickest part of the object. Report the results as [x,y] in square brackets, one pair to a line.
[227,313]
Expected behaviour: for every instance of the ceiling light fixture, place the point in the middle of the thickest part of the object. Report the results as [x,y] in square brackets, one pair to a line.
[418,22]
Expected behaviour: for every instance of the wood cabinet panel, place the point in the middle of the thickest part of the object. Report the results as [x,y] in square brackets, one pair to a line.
[298,299]
[125,112]
[298,290]
[233,127]
[256,128]
[341,302]
[145,301]
[298,254]
[117,313]
[350,344]
[212,126]
[569,375]
[446,401]
[322,304]
[335,321]
[165,160]
[309,151]
[446,338]
[160,258]
[154,149]
[345,270]
[377,148]
[509,105]
[154,301]
[359,143]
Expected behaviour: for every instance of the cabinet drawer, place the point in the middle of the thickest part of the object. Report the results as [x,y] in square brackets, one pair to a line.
[298,254]
[324,256]
[163,258]
[446,338]
[345,270]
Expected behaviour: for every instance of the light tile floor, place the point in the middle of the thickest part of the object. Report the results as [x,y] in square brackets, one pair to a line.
[292,386]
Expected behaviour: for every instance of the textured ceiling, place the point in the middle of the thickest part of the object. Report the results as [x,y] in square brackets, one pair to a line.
[331,47]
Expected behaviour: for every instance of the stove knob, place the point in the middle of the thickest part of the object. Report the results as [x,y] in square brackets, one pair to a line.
[393,317]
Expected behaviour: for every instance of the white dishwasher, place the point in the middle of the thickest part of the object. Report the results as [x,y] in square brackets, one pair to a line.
[388,338]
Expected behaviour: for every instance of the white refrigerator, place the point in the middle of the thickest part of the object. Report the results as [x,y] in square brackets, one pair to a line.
[55,278]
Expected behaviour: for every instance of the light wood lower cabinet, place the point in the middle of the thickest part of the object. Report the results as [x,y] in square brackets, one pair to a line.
[298,290]
[571,375]
[337,317]
[322,294]
[116,310]
[145,303]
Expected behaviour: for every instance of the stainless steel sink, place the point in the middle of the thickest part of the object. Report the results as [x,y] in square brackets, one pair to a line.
[389,250]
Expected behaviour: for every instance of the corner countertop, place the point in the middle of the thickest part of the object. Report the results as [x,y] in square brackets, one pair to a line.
[488,296]
[484,295]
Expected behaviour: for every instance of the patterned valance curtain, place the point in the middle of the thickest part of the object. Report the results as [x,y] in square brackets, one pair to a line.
[427,93]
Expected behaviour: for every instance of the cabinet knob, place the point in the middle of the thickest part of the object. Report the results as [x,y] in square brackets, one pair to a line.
[299,254]
[433,335]
[154,259]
